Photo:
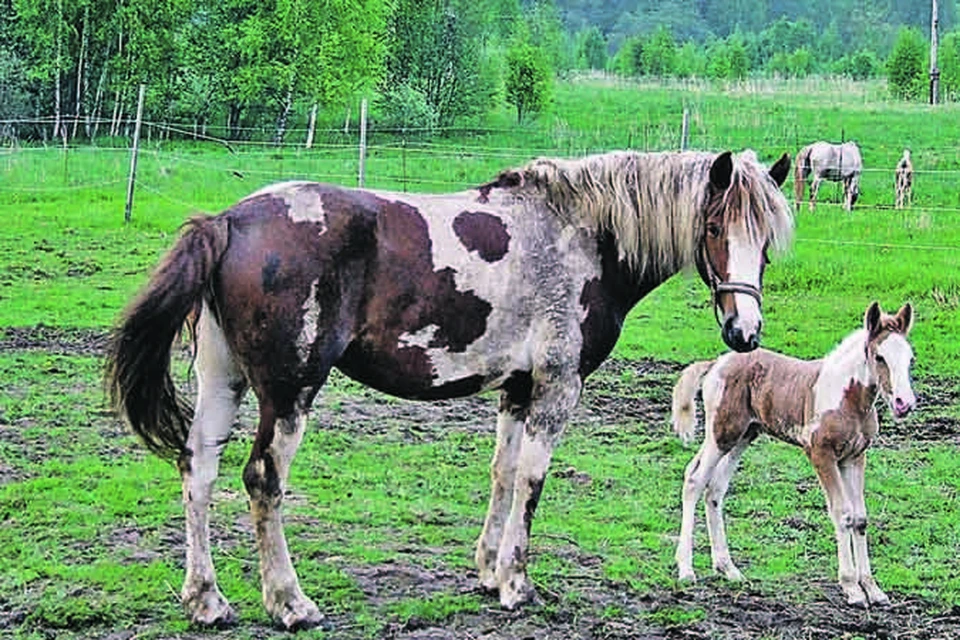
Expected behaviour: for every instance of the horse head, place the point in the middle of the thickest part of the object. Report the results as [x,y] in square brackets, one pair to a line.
[736,236]
[889,356]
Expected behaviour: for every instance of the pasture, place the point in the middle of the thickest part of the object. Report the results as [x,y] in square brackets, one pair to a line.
[387,497]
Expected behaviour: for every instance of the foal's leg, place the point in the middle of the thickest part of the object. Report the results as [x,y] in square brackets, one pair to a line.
[265,477]
[841,513]
[698,475]
[220,386]
[513,411]
[555,394]
[853,475]
[716,491]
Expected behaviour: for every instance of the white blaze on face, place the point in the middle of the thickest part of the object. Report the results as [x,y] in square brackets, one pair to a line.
[744,259]
[896,352]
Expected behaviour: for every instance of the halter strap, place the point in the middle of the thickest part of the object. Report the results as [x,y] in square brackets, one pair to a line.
[718,286]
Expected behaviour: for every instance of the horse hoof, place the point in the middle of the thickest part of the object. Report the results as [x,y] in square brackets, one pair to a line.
[733,574]
[210,609]
[300,615]
[880,600]
[517,592]
[687,576]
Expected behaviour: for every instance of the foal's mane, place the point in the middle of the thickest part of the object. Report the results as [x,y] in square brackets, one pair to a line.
[654,203]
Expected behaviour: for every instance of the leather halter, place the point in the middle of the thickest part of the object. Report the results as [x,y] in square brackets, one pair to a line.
[718,286]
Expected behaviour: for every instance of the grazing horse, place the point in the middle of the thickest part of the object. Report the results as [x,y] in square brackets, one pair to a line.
[903,180]
[826,406]
[522,285]
[828,161]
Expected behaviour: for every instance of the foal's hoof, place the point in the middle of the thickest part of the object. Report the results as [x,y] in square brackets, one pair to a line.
[209,609]
[855,596]
[687,576]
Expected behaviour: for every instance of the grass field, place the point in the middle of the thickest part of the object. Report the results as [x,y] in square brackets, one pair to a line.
[92,527]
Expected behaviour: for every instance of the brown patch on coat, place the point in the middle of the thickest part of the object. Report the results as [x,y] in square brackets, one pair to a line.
[404,295]
[847,431]
[766,389]
[484,233]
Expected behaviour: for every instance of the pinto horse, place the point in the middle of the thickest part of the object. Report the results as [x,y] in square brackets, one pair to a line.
[828,161]
[827,407]
[522,285]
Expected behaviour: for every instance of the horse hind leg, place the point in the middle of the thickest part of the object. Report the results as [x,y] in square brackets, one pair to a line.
[814,190]
[265,478]
[220,387]
[715,493]
[514,407]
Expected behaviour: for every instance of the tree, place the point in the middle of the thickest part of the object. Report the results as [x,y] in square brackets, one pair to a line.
[949,64]
[440,48]
[905,66]
[591,49]
[528,76]
[660,53]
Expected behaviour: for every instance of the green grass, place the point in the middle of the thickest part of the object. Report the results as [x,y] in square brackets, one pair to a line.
[91,527]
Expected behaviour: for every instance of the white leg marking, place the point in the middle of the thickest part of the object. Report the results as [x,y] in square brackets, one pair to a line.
[218,384]
[853,480]
[503,472]
[716,491]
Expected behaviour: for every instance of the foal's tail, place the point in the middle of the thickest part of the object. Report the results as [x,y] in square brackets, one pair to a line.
[801,169]
[137,376]
[684,395]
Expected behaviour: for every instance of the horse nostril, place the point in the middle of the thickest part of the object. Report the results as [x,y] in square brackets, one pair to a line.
[754,342]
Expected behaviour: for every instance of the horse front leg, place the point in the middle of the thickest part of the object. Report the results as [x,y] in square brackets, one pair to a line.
[265,477]
[513,411]
[853,479]
[841,514]
[715,493]
[220,387]
[814,190]
[697,476]
[554,396]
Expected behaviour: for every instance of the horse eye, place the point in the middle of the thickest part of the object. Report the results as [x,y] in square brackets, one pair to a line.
[880,360]
[713,230]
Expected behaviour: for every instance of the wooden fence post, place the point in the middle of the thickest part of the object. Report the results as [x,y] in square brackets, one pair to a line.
[133,156]
[363,140]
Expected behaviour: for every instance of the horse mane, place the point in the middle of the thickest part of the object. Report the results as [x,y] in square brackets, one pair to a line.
[654,204]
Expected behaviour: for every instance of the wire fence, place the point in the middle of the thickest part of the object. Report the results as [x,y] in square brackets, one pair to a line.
[207,173]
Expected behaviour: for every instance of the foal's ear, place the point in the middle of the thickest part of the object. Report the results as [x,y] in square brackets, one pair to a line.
[721,171]
[780,170]
[904,319]
[871,320]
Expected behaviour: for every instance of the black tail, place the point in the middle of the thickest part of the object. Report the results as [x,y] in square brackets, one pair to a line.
[137,376]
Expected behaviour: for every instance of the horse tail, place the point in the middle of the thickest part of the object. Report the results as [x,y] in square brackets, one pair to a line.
[684,396]
[801,169]
[137,376]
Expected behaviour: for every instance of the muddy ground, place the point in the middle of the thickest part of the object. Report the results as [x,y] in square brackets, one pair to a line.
[609,396]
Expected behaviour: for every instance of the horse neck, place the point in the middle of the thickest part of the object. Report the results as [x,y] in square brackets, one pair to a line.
[847,363]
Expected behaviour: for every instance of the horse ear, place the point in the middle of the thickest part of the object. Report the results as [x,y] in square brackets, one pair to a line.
[722,171]
[871,320]
[905,318]
[780,170]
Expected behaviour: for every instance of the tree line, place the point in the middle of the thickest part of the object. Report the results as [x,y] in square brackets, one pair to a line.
[263,65]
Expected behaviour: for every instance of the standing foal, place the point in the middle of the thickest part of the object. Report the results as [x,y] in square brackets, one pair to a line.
[903,180]
[825,406]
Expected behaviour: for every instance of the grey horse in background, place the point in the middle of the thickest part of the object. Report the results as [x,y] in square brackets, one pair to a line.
[828,161]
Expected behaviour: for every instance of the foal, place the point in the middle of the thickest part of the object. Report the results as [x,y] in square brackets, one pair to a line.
[904,180]
[825,406]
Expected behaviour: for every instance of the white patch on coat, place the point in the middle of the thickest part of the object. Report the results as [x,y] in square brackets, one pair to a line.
[898,354]
[845,363]
[421,338]
[510,285]
[302,198]
[744,258]
[311,315]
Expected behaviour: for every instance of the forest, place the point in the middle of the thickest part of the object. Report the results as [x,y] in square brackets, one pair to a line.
[72,68]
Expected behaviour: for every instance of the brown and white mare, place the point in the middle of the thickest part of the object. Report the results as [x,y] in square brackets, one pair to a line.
[826,406]
[903,181]
[522,285]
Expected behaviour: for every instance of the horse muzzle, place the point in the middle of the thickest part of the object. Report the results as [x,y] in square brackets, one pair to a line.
[737,338]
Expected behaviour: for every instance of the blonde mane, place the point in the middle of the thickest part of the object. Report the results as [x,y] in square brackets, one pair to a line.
[654,203]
